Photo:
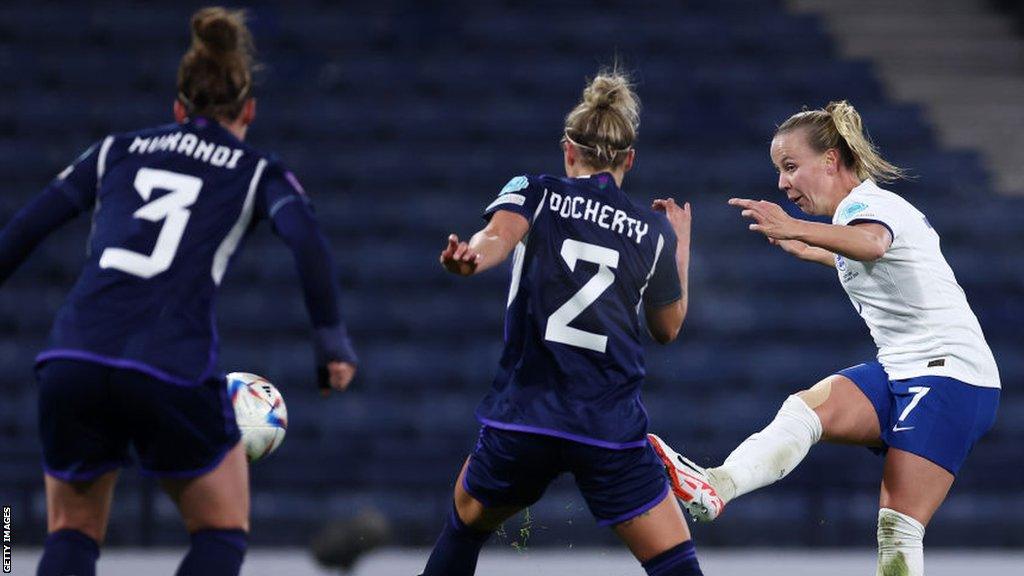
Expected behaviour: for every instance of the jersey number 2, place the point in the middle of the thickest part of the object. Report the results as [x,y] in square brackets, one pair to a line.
[558,329]
[171,208]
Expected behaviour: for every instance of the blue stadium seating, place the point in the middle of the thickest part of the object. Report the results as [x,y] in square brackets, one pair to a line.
[402,122]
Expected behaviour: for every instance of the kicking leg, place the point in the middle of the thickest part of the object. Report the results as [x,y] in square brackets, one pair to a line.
[834,409]
[77,517]
[913,488]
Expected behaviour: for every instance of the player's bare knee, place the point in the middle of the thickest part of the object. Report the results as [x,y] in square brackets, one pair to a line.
[223,522]
[468,508]
[474,514]
[86,524]
[816,395]
[223,516]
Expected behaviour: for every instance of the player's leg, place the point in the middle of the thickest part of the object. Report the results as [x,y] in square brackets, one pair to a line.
[83,446]
[934,425]
[913,488]
[77,514]
[626,490]
[467,528]
[215,509]
[835,409]
[472,513]
[844,408]
[506,472]
[187,436]
[660,540]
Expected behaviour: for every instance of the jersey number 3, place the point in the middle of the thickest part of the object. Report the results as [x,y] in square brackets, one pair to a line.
[558,329]
[171,208]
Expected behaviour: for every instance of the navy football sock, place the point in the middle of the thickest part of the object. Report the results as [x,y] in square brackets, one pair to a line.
[69,552]
[214,553]
[456,550]
[678,561]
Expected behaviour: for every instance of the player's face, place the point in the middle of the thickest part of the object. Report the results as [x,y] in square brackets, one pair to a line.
[802,172]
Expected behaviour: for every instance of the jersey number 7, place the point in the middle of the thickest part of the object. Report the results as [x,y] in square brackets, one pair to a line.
[171,208]
[558,329]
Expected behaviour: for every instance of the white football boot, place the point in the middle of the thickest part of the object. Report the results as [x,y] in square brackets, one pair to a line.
[690,482]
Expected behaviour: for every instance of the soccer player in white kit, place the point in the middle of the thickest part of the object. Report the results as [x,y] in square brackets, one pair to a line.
[934,389]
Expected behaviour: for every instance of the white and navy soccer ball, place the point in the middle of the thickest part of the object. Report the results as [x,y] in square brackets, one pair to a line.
[260,411]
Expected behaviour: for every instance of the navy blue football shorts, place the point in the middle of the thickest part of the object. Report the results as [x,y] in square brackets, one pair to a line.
[90,414]
[935,417]
[515,468]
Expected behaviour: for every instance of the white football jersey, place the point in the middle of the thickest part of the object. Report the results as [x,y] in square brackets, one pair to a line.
[915,309]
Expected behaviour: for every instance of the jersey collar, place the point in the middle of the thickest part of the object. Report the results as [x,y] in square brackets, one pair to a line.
[600,179]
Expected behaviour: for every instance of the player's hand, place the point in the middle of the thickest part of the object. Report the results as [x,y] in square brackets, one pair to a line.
[458,258]
[769,218]
[678,217]
[794,247]
[335,376]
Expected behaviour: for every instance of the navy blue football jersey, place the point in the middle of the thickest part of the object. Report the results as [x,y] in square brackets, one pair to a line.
[573,361]
[171,206]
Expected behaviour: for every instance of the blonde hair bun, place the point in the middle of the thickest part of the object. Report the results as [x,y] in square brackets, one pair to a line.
[605,122]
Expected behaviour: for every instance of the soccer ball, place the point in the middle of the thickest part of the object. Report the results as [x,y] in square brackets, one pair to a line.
[260,411]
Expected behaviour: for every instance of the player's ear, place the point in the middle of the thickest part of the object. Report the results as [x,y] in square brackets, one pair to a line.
[249,112]
[831,161]
[180,114]
[627,165]
[570,157]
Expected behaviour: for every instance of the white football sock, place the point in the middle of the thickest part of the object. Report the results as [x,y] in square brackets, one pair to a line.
[767,456]
[900,545]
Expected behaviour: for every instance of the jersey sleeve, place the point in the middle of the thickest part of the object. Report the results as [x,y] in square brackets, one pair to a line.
[278,189]
[521,195]
[72,192]
[663,286]
[283,201]
[864,208]
[79,181]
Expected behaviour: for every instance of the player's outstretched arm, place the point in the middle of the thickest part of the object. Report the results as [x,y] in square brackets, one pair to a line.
[865,242]
[487,248]
[665,322]
[45,213]
[805,252]
[336,359]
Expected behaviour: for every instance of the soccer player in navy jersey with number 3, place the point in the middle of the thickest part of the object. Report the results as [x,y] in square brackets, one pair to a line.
[566,397]
[132,354]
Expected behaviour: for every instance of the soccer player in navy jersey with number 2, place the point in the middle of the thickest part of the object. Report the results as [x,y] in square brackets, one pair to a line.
[132,354]
[566,397]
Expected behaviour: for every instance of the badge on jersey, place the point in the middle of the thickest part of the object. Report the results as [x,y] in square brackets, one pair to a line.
[508,193]
[515,185]
[854,209]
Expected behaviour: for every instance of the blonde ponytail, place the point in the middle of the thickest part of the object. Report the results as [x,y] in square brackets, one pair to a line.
[839,126]
[604,125]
